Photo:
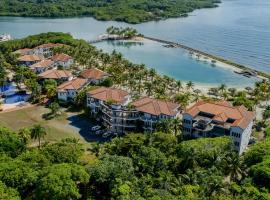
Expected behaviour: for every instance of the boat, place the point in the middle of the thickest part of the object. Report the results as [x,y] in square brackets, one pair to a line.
[5,37]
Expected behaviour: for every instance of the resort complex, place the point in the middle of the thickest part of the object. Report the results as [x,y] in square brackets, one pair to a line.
[178,109]
[121,111]
[85,124]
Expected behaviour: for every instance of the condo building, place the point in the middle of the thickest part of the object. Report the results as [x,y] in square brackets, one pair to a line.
[208,119]
[118,114]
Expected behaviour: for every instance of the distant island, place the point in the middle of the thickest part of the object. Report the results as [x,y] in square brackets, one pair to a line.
[130,11]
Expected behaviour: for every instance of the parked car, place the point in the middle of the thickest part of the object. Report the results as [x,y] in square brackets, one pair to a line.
[107,134]
[99,132]
[95,128]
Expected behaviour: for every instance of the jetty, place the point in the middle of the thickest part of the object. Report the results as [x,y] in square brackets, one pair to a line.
[246,71]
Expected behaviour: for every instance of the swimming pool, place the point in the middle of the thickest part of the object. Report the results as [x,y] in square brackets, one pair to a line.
[8,89]
[15,98]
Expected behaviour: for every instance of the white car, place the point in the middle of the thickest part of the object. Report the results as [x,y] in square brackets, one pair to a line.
[95,128]
[107,134]
[99,132]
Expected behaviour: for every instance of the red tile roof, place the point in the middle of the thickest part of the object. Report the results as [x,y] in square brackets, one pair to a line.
[74,84]
[106,94]
[61,57]
[29,58]
[223,111]
[55,74]
[156,107]
[23,51]
[93,74]
[43,63]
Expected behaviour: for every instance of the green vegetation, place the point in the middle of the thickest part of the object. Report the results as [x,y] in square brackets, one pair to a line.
[161,165]
[57,128]
[136,166]
[122,32]
[130,11]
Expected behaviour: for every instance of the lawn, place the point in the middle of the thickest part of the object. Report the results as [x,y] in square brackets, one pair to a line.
[57,128]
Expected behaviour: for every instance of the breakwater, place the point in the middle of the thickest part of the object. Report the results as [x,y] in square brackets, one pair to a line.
[213,57]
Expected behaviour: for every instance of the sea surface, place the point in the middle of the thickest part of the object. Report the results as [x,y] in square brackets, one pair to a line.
[237,30]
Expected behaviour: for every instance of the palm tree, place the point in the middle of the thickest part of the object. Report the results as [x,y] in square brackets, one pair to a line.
[38,132]
[176,124]
[182,99]
[222,88]
[189,85]
[148,88]
[152,73]
[179,85]
[266,113]
[232,92]
[197,96]
[234,167]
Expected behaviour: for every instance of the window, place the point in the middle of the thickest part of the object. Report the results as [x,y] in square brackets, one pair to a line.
[186,129]
[186,121]
[234,134]
[236,144]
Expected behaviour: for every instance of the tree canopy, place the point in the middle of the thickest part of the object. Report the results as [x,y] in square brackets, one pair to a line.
[119,10]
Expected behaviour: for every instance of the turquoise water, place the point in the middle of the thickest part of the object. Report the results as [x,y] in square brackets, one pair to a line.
[238,30]
[176,63]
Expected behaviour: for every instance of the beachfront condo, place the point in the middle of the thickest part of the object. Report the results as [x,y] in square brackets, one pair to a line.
[118,114]
[214,119]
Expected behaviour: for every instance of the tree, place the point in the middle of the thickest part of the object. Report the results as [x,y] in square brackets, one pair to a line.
[179,85]
[3,76]
[165,126]
[10,144]
[38,132]
[7,193]
[108,82]
[66,151]
[50,88]
[182,99]
[54,107]
[261,173]
[60,181]
[25,135]
[18,174]
[233,167]
[222,88]
[189,85]
[266,113]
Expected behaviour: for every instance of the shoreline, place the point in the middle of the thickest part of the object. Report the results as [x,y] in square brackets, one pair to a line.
[219,61]
[204,57]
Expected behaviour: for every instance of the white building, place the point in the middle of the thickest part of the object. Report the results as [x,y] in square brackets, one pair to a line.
[42,66]
[151,111]
[119,115]
[205,119]
[109,105]
[94,75]
[45,49]
[63,60]
[67,91]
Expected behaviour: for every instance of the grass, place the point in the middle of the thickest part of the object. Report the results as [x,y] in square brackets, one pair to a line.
[57,128]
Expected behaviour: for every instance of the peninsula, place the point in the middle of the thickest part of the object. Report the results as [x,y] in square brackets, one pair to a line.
[129,11]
